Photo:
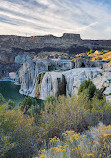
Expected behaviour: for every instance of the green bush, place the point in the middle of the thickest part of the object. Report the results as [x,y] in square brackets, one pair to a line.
[17,134]
[29,106]
[2,100]
[11,104]
[89,88]
[25,129]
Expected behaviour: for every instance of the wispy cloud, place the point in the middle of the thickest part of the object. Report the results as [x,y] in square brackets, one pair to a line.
[37,17]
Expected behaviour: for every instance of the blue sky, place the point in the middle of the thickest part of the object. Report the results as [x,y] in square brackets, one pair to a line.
[90,18]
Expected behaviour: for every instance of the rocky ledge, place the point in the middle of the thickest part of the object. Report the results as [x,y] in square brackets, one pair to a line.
[41,83]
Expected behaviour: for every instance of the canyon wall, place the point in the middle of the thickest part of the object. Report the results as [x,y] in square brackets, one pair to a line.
[28,75]
[43,83]
[12,46]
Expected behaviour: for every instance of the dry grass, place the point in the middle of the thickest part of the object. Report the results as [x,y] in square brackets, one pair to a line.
[105,56]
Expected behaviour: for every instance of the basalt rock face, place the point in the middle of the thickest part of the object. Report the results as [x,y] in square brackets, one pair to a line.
[85,62]
[40,83]
[28,76]
[70,81]
[11,46]
[6,68]
[97,44]
[15,45]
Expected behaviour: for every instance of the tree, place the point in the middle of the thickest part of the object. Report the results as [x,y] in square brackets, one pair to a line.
[89,88]
[30,106]
[11,104]
[2,100]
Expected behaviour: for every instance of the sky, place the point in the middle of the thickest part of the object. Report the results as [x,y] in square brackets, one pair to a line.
[90,18]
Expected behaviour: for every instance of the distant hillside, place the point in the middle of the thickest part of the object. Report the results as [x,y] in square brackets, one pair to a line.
[11,46]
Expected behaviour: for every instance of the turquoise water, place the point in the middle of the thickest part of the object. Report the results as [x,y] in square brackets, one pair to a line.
[11,91]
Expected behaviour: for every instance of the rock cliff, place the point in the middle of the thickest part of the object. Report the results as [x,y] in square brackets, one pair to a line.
[42,83]
[28,75]
[12,47]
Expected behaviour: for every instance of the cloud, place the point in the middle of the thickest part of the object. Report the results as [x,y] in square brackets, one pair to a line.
[37,17]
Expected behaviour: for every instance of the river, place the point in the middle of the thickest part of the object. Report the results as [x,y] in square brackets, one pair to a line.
[11,91]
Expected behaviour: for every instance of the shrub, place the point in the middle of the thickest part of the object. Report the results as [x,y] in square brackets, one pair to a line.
[98,58]
[11,104]
[94,143]
[17,138]
[89,88]
[62,115]
[30,106]
[2,100]
[90,52]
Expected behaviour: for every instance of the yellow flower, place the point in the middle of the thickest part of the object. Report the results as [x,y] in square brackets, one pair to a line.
[70,151]
[42,156]
[66,146]
[90,155]
[59,150]
[61,147]
[63,150]
[84,155]
[100,155]
[78,146]
[94,146]
[107,136]
[70,132]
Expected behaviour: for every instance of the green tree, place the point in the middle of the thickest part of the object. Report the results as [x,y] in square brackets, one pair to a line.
[11,104]
[89,88]
[2,100]
[30,106]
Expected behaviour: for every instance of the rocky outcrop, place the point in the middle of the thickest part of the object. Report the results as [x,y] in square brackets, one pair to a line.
[107,66]
[36,81]
[86,62]
[6,68]
[20,59]
[15,49]
[72,80]
[83,62]
[28,75]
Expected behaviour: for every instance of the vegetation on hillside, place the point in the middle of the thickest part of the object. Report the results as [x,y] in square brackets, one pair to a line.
[63,127]
[97,55]
[95,143]
[90,52]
